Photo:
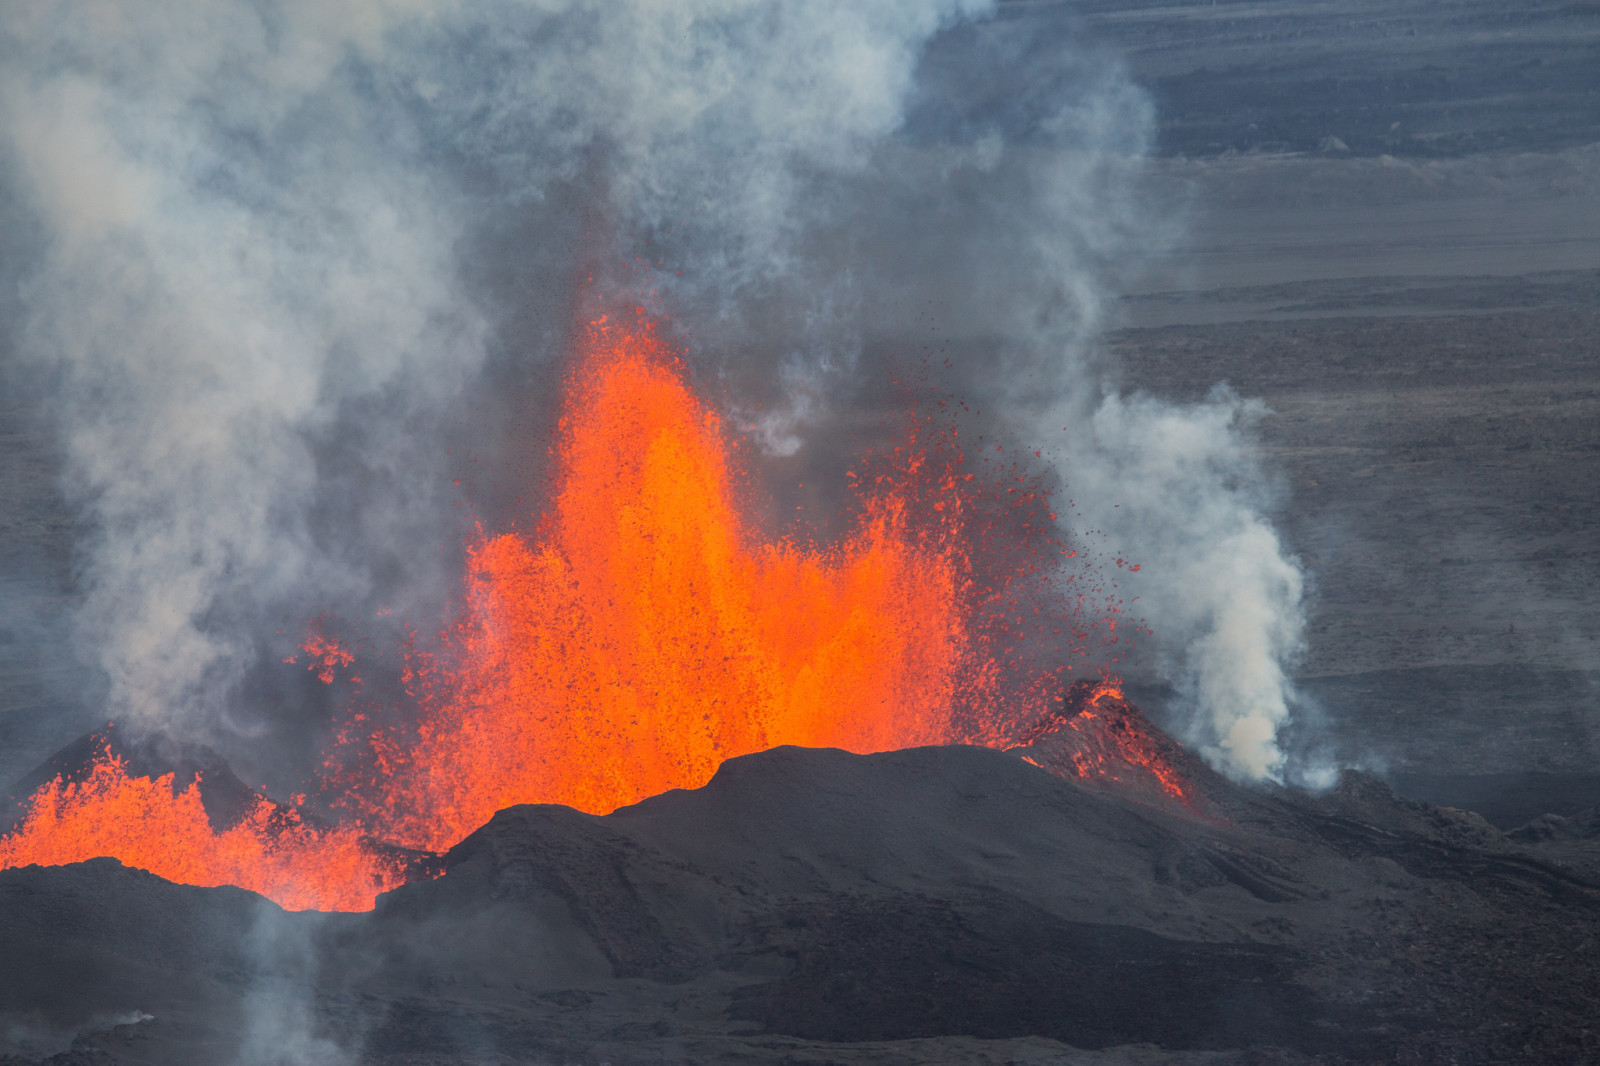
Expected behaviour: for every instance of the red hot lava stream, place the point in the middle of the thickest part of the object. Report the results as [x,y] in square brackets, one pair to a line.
[643,634]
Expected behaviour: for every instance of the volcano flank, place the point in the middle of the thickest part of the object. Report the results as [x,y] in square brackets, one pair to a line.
[936,904]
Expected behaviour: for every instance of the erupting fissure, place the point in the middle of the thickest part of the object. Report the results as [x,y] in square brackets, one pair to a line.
[644,633]
[151,824]
[641,634]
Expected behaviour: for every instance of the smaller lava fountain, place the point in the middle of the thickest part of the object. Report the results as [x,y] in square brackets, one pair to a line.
[1094,734]
[208,830]
[639,636]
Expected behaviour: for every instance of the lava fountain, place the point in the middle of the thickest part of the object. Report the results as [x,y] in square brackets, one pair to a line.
[645,633]
[151,824]
[639,635]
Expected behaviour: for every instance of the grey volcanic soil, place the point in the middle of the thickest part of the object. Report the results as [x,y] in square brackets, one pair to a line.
[810,906]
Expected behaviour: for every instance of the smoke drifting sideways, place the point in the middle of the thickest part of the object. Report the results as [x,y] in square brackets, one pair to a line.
[284,263]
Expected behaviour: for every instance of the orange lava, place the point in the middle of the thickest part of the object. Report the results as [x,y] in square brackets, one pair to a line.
[645,633]
[640,635]
[1122,745]
[145,823]
[1098,735]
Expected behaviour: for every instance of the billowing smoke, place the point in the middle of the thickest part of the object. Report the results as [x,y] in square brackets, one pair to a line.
[237,258]
[1182,487]
[285,263]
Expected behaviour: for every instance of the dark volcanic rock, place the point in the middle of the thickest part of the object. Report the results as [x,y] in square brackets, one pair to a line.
[948,893]
[899,967]
[932,905]
[95,948]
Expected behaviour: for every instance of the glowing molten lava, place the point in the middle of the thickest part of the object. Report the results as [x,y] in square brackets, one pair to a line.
[145,823]
[1095,734]
[641,634]
[645,633]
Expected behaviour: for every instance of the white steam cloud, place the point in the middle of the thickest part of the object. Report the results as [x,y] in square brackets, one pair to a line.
[1180,487]
[280,254]
[233,253]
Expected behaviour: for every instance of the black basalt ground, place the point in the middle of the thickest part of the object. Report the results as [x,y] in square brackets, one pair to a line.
[875,969]
[931,905]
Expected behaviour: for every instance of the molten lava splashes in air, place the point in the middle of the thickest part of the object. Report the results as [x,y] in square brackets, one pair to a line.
[644,633]
[144,822]
[639,636]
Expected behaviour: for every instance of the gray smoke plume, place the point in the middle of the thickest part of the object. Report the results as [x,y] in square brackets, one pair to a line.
[287,263]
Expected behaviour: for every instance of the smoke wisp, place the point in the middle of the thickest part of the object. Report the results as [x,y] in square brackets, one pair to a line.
[284,260]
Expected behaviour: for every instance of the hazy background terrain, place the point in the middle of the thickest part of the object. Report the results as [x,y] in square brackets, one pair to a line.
[1395,242]
[1391,234]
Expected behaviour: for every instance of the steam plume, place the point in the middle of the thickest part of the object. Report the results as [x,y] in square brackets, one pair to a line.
[285,253]
[1180,487]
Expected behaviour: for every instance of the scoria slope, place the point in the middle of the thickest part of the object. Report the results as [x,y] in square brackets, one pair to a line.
[807,905]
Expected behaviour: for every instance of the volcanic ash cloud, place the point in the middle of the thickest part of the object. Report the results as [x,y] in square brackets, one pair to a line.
[275,261]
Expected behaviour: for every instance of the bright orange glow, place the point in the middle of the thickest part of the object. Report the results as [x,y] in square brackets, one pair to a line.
[646,634]
[1099,736]
[640,635]
[144,823]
